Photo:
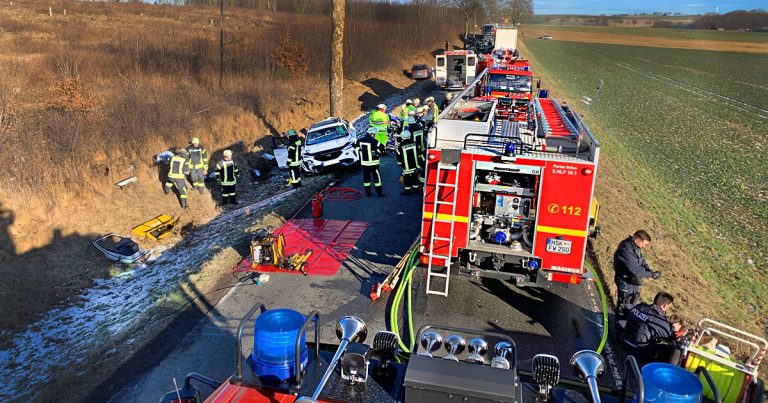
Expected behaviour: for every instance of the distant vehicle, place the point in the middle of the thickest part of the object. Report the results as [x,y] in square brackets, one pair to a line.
[420,72]
[545,37]
[329,142]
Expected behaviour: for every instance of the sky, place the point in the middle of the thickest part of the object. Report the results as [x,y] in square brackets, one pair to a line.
[643,6]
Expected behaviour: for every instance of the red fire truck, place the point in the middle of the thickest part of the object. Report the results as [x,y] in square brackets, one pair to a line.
[506,199]
[510,80]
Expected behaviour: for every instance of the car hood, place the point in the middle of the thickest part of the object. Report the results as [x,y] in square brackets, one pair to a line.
[328,145]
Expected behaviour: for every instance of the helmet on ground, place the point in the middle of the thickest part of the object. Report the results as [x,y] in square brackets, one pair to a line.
[372,130]
[409,101]
[194,140]
[381,106]
[406,134]
[227,153]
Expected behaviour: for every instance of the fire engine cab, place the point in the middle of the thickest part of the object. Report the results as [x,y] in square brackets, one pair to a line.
[511,82]
[455,69]
[506,199]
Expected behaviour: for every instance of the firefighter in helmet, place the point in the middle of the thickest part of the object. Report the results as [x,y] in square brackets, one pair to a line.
[379,120]
[404,108]
[408,159]
[198,163]
[226,174]
[370,149]
[294,157]
[177,175]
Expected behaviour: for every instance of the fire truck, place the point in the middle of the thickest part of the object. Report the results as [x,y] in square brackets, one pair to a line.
[510,80]
[455,69]
[506,199]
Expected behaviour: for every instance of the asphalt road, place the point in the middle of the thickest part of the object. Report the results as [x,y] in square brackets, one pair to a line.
[559,320]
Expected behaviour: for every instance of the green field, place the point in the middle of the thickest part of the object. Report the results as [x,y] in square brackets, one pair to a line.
[651,33]
[698,121]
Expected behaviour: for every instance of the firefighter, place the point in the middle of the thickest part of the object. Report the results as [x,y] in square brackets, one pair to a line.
[294,157]
[404,108]
[434,111]
[198,164]
[226,174]
[407,158]
[446,101]
[177,175]
[416,103]
[370,149]
[416,128]
[630,269]
[650,335]
[379,120]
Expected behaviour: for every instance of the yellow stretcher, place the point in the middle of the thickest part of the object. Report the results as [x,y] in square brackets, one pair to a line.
[156,228]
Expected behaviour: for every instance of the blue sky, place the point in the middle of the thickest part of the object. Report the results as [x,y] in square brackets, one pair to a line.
[642,6]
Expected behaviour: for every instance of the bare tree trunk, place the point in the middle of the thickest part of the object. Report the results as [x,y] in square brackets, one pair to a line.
[221,45]
[337,56]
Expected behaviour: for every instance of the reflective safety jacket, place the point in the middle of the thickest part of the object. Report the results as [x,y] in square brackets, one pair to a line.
[403,112]
[226,172]
[647,325]
[379,120]
[435,112]
[417,131]
[179,167]
[294,153]
[408,156]
[198,157]
[369,150]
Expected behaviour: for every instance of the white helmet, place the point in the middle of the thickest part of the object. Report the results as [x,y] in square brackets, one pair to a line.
[227,153]
[381,106]
[409,102]
[406,134]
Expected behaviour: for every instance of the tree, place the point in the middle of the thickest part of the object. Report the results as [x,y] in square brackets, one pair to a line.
[470,8]
[516,10]
[336,82]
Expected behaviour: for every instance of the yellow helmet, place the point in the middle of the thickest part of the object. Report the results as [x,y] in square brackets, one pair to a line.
[195,140]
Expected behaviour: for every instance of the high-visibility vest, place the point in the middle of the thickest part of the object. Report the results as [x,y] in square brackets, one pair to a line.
[226,172]
[369,152]
[179,167]
[407,156]
[435,112]
[379,120]
[198,157]
[294,154]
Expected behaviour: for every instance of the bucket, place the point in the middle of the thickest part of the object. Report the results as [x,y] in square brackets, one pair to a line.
[274,345]
[671,384]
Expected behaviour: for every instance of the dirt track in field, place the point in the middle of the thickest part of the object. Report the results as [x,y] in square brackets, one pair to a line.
[565,34]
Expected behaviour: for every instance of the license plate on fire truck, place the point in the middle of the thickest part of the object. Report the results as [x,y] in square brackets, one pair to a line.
[559,246]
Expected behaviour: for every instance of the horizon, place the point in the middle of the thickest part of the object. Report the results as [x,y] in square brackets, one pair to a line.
[613,7]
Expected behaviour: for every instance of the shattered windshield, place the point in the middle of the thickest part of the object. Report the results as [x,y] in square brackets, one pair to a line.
[510,82]
[326,134]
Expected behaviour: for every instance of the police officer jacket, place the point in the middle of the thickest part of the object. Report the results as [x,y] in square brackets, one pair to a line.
[294,153]
[369,150]
[629,264]
[407,156]
[198,157]
[647,325]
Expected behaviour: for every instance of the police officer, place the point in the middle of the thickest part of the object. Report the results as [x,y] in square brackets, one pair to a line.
[198,164]
[177,175]
[408,159]
[649,335]
[630,269]
[379,120]
[370,149]
[294,157]
[226,174]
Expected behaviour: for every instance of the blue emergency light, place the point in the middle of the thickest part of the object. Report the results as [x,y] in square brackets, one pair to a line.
[274,344]
[510,149]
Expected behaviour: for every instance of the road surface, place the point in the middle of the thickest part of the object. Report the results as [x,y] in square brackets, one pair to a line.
[559,320]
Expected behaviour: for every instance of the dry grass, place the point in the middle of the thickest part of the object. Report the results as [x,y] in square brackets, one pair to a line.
[88,98]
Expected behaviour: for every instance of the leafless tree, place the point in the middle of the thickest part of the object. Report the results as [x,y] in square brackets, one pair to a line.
[336,83]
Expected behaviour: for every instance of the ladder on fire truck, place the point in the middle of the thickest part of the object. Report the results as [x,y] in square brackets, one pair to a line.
[454,187]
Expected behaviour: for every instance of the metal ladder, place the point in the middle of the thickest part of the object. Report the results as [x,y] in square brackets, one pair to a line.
[442,167]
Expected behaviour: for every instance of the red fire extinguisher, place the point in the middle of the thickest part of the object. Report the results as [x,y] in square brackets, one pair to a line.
[317,206]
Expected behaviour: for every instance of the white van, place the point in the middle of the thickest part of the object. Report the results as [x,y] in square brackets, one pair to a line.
[455,69]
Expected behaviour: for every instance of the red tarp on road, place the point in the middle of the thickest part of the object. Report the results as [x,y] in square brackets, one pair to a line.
[330,241]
